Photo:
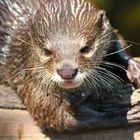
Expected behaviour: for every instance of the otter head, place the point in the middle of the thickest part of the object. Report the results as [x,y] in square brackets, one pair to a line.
[70,38]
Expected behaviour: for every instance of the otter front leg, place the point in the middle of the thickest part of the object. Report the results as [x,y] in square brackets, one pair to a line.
[84,119]
[89,119]
[114,115]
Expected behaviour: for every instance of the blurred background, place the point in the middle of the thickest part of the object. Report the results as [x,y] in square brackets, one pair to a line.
[124,15]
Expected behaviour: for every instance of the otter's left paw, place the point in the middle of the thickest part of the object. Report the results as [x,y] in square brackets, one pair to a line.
[133,114]
[135,97]
[134,72]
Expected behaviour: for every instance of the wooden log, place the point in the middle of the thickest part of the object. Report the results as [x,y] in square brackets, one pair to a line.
[18,125]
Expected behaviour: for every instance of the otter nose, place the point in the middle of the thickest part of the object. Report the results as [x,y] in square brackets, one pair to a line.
[67,72]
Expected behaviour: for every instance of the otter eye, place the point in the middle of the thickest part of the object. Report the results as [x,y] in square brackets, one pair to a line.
[86,49]
[47,52]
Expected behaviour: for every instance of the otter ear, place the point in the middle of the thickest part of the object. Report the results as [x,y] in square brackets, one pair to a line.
[102,21]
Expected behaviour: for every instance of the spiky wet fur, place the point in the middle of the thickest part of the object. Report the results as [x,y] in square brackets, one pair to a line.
[64,27]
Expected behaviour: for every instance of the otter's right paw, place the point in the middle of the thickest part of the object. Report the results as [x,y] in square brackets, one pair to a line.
[133,72]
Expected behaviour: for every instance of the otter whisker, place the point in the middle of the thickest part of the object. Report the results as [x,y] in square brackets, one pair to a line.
[105,35]
[119,50]
[22,71]
[104,75]
[101,80]
[116,40]
[31,77]
[40,78]
[106,63]
[132,42]
[94,83]
[107,82]
[48,83]
[48,86]
[109,73]
[98,67]
[90,83]
[12,35]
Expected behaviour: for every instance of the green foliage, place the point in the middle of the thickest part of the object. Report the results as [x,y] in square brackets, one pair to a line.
[125,16]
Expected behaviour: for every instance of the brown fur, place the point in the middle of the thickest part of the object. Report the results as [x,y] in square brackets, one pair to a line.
[63,27]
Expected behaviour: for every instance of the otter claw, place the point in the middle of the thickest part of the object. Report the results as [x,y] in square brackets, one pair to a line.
[135,98]
[134,117]
[134,113]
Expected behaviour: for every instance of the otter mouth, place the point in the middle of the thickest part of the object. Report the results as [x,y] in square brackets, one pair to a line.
[69,84]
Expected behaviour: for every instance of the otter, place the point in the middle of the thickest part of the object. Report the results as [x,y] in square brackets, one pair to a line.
[56,54]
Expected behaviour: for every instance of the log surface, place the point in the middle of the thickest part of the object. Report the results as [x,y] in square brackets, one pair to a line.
[18,125]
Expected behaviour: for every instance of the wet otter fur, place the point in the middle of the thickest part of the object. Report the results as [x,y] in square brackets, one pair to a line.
[57,57]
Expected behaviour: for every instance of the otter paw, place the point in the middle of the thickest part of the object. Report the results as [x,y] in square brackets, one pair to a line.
[133,115]
[135,98]
[133,72]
